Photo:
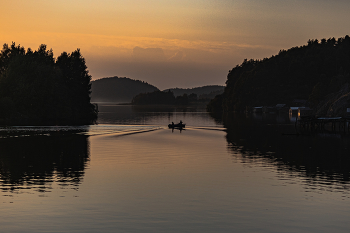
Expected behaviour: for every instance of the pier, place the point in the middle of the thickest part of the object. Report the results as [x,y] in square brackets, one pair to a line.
[339,124]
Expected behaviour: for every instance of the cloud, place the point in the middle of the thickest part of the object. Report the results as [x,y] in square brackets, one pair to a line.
[178,56]
[161,74]
[148,54]
[172,67]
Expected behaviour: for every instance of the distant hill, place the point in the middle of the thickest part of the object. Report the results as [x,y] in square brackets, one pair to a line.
[115,89]
[205,91]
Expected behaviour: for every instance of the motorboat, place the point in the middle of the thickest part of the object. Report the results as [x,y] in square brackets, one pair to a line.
[179,125]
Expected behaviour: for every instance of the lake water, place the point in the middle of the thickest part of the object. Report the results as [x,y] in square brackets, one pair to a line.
[131,173]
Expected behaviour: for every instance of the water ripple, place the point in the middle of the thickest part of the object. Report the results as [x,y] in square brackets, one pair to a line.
[89,130]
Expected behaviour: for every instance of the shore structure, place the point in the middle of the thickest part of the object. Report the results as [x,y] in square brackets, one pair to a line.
[324,123]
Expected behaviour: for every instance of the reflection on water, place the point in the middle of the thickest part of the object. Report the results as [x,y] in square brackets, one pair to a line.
[321,160]
[25,131]
[36,162]
[36,157]
[154,115]
[133,174]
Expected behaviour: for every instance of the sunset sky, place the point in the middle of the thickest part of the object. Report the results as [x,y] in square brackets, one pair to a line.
[170,43]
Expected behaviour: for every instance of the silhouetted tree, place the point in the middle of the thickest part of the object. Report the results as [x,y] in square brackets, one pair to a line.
[292,74]
[192,97]
[34,89]
[156,97]
[182,100]
[78,85]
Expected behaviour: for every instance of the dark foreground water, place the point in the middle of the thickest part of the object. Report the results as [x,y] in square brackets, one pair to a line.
[132,174]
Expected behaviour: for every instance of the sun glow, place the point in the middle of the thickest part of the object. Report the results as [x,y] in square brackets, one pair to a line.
[218,33]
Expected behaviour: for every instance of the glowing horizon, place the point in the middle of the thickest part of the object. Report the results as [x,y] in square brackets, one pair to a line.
[201,40]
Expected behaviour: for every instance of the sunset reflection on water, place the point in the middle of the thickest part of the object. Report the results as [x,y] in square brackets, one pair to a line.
[147,178]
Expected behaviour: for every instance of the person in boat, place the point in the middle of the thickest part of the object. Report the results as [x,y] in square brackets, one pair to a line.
[172,124]
[180,122]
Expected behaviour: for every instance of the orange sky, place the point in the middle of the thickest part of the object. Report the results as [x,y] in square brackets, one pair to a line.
[170,43]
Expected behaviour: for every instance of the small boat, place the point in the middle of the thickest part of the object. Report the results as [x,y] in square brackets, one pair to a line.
[180,125]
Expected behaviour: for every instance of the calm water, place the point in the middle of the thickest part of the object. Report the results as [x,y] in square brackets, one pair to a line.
[131,173]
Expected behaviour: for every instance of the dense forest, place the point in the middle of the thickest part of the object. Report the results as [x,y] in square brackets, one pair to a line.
[179,96]
[163,98]
[37,89]
[317,72]
[202,92]
[115,89]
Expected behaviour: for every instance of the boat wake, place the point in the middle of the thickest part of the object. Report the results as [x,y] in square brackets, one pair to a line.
[89,130]
[119,130]
[208,128]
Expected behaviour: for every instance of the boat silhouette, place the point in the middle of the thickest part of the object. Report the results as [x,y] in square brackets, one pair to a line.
[179,125]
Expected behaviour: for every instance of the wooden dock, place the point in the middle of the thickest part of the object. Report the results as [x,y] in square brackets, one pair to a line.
[340,124]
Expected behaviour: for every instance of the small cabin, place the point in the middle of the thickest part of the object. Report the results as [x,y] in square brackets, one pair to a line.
[282,108]
[347,111]
[304,111]
[269,109]
[293,110]
[258,109]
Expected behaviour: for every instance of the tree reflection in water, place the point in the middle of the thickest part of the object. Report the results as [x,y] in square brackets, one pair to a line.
[35,162]
[320,159]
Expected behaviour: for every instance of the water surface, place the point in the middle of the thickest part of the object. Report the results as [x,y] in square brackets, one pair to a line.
[244,174]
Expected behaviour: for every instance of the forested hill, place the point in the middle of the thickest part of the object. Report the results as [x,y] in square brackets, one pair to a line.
[313,72]
[205,90]
[115,89]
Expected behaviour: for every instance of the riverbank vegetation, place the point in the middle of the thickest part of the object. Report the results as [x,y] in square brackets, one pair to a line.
[317,72]
[204,92]
[37,89]
[164,98]
[179,96]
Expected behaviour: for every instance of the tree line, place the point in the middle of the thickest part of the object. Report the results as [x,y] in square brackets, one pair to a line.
[311,72]
[37,89]
[163,98]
